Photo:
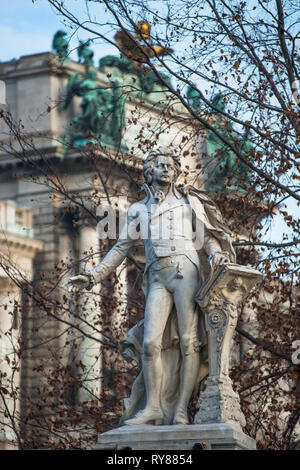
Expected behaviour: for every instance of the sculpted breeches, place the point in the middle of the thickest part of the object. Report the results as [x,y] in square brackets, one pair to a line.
[173,280]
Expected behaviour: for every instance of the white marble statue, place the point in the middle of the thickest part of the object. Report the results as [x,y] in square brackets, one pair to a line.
[184,239]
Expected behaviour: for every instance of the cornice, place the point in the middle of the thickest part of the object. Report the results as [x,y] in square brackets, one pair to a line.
[28,66]
[20,245]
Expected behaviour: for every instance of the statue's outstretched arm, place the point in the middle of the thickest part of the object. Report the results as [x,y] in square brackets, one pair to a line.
[109,263]
[111,260]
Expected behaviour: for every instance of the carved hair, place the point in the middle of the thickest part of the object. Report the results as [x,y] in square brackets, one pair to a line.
[150,161]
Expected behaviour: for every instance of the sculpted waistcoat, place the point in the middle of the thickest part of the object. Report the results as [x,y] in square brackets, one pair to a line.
[170,228]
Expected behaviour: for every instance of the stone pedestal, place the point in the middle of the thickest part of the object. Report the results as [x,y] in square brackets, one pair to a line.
[219,300]
[179,437]
[219,421]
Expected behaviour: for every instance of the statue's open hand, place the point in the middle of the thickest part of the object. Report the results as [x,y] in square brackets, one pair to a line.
[75,283]
[218,258]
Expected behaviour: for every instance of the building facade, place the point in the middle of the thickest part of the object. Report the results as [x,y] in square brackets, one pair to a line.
[73,141]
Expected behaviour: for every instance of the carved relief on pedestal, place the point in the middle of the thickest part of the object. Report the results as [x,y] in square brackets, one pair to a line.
[219,300]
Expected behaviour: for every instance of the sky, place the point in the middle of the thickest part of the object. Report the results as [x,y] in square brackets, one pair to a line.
[27,27]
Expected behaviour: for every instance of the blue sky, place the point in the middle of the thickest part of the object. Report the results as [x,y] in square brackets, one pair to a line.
[27,27]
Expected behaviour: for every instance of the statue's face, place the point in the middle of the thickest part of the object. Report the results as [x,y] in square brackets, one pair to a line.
[164,170]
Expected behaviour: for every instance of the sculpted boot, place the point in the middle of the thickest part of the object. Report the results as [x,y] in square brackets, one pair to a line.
[146,416]
[181,416]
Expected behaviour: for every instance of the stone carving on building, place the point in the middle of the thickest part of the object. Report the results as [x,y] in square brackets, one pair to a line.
[18,249]
[186,245]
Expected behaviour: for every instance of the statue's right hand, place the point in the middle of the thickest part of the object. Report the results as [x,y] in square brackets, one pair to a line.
[82,281]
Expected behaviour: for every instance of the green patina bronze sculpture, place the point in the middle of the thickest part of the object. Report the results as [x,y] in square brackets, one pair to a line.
[193,97]
[60,45]
[146,76]
[224,168]
[85,54]
[229,170]
[102,117]
[219,102]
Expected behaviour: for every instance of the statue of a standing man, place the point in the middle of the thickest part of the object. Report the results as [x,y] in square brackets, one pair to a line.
[184,238]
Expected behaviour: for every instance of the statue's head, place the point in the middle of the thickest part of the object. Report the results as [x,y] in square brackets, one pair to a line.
[143,28]
[60,34]
[161,159]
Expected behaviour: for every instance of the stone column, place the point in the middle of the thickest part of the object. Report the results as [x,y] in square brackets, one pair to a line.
[66,260]
[9,364]
[16,255]
[219,300]
[89,311]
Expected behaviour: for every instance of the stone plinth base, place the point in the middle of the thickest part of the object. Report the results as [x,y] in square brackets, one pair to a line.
[218,403]
[180,437]
[7,441]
